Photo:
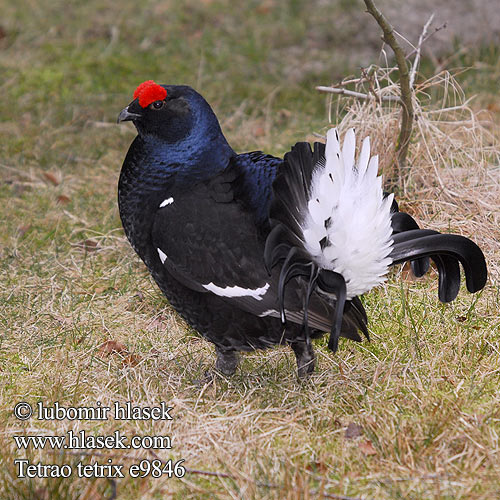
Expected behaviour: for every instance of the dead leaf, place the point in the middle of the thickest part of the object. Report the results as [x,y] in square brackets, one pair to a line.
[42,493]
[53,178]
[22,230]
[494,107]
[196,35]
[353,431]
[461,318]
[317,467]
[157,323]
[112,347]
[265,7]
[191,339]
[367,448]
[285,113]
[259,131]
[63,199]
[90,245]
[87,245]
[131,360]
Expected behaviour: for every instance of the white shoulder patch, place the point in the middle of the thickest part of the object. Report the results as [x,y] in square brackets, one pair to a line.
[269,312]
[166,202]
[237,291]
[163,256]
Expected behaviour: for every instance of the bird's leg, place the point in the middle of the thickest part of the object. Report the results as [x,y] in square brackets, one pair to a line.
[306,359]
[227,361]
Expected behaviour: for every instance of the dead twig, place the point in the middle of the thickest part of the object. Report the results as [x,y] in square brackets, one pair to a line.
[369,80]
[425,38]
[391,70]
[358,95]
[405,87]
[414,51]
[418,50]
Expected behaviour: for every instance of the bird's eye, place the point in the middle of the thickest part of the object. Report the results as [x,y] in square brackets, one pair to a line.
[157,105]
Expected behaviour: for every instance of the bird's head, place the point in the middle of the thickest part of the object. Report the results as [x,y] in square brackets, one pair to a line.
[167,112]
[176,126]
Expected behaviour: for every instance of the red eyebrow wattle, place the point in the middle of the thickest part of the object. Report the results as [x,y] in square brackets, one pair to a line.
[149,92]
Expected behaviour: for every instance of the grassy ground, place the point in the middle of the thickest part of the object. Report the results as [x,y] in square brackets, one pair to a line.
[413,414]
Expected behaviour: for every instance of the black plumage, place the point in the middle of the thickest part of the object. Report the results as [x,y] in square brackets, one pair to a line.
[222,234]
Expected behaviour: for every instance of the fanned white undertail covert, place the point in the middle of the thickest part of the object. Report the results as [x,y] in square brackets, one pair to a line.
[348,225]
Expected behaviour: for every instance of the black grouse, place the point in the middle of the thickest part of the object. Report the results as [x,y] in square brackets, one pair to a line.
[254,250]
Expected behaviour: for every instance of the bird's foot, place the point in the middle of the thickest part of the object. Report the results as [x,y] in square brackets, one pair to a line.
[306,359]
[227,362]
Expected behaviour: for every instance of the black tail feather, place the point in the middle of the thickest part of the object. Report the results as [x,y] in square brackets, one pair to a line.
[278,244]
[425,243]
[449,277]
[447,265]
[311,285]
[297,263]
[350,328]
[292,186]
[334,283]
[403,222]
[357,310]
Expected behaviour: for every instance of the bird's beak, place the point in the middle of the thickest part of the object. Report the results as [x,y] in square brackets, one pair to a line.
[125,115]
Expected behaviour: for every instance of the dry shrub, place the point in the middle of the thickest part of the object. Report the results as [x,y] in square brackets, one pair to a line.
[453,183]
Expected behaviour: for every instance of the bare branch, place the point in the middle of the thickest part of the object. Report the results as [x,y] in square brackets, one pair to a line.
[439,28]
[358,95]
[349,82]
[369,81]
[414,51]
[418,49]
[410,54]
[404,80]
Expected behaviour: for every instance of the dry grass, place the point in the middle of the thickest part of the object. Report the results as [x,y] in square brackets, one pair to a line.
[82,321]
[454,172]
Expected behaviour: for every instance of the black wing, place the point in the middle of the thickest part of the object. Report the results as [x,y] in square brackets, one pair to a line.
[207,239]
